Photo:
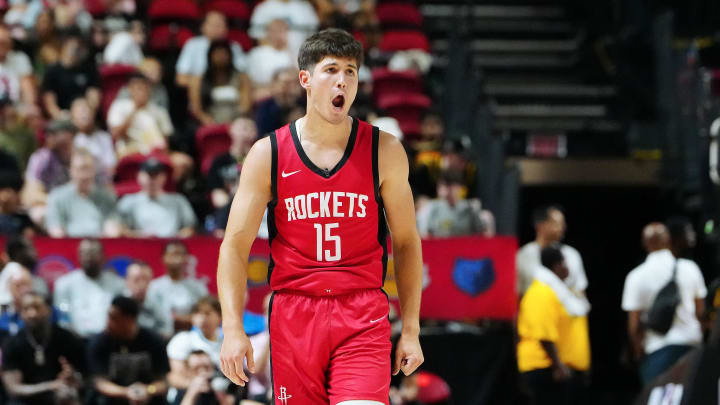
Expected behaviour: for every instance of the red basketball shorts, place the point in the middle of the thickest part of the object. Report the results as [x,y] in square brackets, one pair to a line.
[326,350]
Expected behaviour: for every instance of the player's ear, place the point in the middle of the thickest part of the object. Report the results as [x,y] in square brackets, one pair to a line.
[305,79]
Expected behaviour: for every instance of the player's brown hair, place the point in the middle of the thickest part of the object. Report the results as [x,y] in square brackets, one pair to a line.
[329,42]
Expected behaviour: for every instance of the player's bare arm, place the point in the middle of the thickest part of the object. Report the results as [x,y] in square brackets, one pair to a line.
[246,212]
[399,209]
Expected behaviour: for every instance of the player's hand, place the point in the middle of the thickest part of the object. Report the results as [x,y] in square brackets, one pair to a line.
[408,355]
[235,348]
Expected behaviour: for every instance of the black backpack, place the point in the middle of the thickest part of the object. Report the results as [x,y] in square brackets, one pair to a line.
[662,312]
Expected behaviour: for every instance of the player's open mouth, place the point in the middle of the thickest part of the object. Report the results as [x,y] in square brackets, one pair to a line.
[339,101]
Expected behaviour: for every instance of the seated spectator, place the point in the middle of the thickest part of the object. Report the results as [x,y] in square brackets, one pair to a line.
[328,8]
[173,295]
[206,387]
[138,276]
[127,362]
[272,113]
[222,91]
[13,220]
[96,141]
[153,211]
[223,173]
[16,137]
[554,349]
[205,335]
[193,57]
[81,208]
[432,133]
[153,71]
[299,14]
[270,57]
[429,165]
[48,168]
[19,254]
[44,40]
[16,74]
[42,365]
[73,76]
[450,214]
[125,46]
[85,294]
[20,282]
[136,124]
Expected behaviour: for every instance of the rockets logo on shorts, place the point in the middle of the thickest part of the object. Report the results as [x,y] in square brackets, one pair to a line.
[284,396]
[327,226]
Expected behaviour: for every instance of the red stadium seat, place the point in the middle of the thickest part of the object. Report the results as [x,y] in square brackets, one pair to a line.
[431,388]
[211,141]
[407,108]
[128,167]
[96,8]
[404,40]
[386,81]
[232,9]
[174,10]
[113,78]
[399,15]
[241,37]
[169,37]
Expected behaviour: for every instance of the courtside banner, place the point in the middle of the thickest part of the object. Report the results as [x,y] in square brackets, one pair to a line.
[463,278]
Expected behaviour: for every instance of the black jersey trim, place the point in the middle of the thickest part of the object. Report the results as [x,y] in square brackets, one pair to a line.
[272,384]
[272,228]
[382,234]
[310,165]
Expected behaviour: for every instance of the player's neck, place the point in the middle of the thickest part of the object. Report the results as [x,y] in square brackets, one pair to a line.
[315,128]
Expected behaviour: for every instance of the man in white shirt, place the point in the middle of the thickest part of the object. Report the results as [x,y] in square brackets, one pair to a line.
[193,57]
[265,60]
[85,294]
[549,228]
[17,82]
[660,352]
[299,14]
[173,295]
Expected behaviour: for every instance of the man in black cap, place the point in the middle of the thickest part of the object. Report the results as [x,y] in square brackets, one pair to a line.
[153,211]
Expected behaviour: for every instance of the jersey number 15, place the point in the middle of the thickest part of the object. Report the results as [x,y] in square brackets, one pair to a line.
[329,237]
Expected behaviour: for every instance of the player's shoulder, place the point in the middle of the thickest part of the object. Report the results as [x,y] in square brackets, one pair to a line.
[390,146]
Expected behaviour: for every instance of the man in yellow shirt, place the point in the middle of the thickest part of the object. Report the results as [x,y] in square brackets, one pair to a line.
[554,348]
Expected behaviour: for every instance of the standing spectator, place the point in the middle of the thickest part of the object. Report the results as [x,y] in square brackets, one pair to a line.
[203,389]
[16,137]
[659,352]
[153,211]
[224,168]
[554,349]
[127,362]
[81,208]
[450,214]
[48,168]
[222,91]
[205,335]
[286,91]
[173,295]
[74,76]
[270,57]
[138,276]
[13,220]
[20,282]
[20,254]
[85,294]
[97,141]
[193,57]
[125,46]
[136,124]
[299,14]
[16,75]
[40,366]
[549,228]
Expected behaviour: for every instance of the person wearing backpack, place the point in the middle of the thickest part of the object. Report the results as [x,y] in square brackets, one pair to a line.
[663,297]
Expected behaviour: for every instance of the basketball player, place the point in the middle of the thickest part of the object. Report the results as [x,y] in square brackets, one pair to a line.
[328,181]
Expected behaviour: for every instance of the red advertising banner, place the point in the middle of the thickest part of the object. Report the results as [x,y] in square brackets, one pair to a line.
[463,278]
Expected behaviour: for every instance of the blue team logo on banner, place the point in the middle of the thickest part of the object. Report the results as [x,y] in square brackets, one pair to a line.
[474,276]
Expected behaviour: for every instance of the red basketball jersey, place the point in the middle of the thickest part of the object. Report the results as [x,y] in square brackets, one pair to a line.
[327,228]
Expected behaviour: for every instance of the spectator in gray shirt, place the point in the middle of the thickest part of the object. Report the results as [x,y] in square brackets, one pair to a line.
[138,276]
[81,208]
[153,211]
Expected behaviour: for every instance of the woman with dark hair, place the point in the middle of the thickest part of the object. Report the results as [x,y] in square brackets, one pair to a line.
[222,92]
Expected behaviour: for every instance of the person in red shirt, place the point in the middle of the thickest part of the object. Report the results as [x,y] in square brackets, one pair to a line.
[332,185]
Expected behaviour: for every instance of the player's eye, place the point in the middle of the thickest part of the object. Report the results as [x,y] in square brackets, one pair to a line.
[350,72]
